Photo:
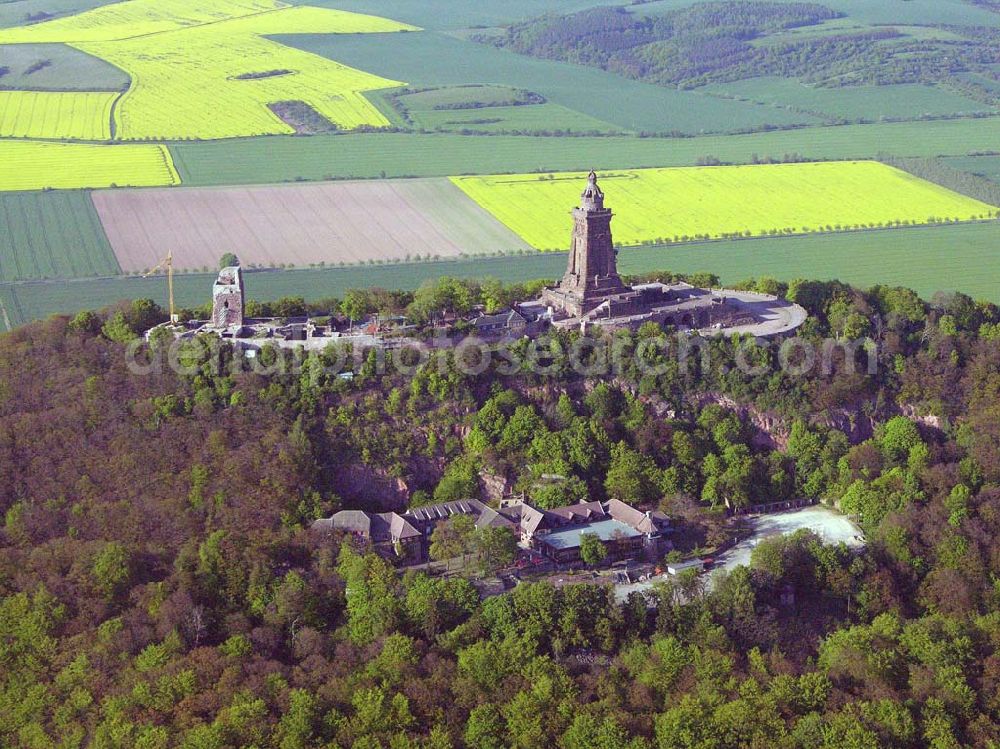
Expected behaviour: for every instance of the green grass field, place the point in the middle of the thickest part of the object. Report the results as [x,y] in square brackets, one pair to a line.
[927,259]
[831,27]
[451,96]
[533,118]
[435,59]
[981,81]
[21,11]
[853,103]
[848,25]
[984,166]
[492,109]
[52,235]
[916,12]
[664,205]
[368,155]
[456,14]
[459,14]
[68,69]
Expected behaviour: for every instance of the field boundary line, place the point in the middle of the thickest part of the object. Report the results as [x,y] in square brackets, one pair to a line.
[3,310]
[114,110]
[11,293]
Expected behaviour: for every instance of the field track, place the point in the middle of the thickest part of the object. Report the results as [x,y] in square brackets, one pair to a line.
[299,225]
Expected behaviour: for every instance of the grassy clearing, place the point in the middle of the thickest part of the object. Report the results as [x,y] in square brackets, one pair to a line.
[663,205]
[849,25]
[963,257]
[64,69]
[831,27]
[853,103]
[435,59]
[56,115]
[197,70]
[366,155]
[52,235]
[30,165]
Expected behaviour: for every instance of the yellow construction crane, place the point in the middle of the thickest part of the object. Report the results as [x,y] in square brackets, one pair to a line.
[167,264]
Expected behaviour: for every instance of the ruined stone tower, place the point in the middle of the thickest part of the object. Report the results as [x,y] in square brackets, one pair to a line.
[592,272]
[227,298]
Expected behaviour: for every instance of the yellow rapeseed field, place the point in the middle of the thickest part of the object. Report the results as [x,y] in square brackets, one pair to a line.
[186,84]
[681,204]
[32,165]
[56,114]
[126,20]
[204,70]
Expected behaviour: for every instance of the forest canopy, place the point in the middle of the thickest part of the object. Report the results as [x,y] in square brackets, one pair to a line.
[726,41]
[160,585]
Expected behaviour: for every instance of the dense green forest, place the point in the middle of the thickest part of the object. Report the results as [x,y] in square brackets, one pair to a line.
[159,586]
[726,41]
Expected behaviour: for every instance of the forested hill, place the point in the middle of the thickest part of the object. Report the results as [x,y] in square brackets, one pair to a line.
[727,41]
[158,586]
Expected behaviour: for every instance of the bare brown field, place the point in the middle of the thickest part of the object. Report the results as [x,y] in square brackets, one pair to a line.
[299,225]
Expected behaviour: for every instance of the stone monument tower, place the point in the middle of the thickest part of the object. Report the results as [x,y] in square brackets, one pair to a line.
[227,298]
[592,272]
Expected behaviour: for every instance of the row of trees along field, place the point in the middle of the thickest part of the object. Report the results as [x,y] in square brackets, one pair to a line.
[713,42]
[159,586]
[938,172]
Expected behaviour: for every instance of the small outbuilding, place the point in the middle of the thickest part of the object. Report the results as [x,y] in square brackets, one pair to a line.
[675,568]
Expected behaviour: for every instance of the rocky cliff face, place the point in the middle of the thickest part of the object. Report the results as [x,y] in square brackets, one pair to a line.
[772,430]
[494,486]
[927,420]
[371,489]
[375,489]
